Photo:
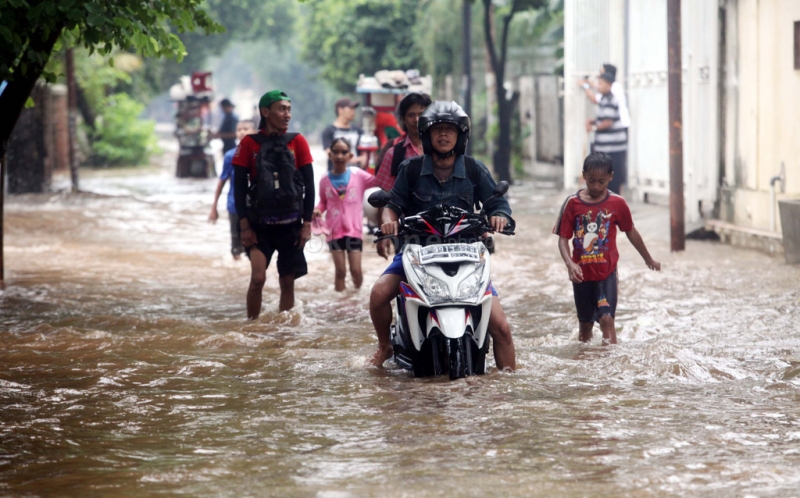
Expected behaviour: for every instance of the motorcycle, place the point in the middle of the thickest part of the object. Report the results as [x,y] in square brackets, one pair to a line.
[444,305]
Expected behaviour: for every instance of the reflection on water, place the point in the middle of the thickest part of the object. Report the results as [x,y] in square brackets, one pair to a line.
[127,368]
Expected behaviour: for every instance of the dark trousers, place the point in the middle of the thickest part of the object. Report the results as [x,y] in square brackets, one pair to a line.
[620,161]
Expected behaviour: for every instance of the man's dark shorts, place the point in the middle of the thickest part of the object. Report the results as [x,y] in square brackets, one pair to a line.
[282,238]
[349,244]
[596,299]
[236,241]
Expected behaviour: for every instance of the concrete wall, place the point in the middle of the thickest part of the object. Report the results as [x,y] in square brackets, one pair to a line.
[761,110]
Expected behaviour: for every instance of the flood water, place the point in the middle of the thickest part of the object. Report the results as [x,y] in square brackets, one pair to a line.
[127,368]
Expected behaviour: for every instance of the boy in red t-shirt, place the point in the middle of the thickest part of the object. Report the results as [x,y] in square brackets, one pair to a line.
[590,217]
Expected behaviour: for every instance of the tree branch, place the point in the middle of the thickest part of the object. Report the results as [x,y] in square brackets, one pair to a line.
[13,99]
[487,30]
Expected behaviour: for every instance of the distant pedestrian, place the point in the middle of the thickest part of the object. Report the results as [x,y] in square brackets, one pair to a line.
[227,129]
[243,128]
[341,195]
[616,88]
[612,122]
[274,186]
[407,145]
[343,127]
[590,219]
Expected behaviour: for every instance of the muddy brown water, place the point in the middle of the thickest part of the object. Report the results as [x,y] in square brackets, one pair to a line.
[127,368]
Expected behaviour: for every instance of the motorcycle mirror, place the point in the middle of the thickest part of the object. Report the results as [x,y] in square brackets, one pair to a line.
[500,189]
[379,199]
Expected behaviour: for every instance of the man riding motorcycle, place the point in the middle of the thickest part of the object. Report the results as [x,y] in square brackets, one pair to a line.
[446,176]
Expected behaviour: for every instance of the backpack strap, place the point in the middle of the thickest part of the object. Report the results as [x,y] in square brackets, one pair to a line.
[414,169]
[398,157]
[474,175]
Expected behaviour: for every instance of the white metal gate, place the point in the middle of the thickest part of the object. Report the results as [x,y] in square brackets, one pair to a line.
[595,33]
[648,154]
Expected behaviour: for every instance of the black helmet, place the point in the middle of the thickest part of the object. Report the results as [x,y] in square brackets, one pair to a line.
[444,112]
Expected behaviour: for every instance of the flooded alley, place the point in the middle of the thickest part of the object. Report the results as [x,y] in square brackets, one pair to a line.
[127,367]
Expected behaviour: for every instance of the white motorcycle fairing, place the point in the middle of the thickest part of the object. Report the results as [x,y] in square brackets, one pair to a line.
[449,295]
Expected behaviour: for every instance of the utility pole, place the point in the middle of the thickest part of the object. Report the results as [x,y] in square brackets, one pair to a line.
[675,72]
[466,53]
[72,113]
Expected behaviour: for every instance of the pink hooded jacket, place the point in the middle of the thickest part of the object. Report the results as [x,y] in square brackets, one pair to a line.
[345,217]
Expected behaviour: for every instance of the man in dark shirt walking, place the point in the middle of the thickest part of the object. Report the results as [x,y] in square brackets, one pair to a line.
[227,130]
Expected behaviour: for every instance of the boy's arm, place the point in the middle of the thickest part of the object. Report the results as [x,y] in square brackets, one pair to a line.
[575,272]
[212,218]
[636,239]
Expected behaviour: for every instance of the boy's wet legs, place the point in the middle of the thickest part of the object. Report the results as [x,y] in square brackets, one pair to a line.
[585,331]
[607,327]
[503,346]
[258,276]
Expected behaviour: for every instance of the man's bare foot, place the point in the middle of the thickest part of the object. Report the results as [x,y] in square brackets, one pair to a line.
[382,354]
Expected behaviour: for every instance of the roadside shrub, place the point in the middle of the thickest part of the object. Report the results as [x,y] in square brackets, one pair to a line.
[120,137]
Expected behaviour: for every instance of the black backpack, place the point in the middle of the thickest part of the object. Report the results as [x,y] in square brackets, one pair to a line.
[414,169]
[275,196]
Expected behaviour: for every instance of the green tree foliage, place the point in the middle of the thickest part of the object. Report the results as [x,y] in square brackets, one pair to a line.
[270,21]
[502,12]
[120,138]
[29,30]
[437,34]
[360,36]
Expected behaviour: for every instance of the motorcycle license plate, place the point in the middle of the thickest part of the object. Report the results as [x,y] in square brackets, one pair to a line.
[449,252]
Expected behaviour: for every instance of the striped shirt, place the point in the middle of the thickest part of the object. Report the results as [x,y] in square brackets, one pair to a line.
[614,139]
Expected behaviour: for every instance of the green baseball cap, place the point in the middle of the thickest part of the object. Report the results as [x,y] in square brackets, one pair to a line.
[270,98]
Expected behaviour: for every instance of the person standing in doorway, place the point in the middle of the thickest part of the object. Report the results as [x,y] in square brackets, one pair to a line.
[343,127]
[274,187]
[610,137]
[227,129]
[594,95]
[243,128]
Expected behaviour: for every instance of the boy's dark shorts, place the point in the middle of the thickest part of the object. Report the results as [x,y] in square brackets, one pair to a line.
[349,244]
[282,238]
[596,299]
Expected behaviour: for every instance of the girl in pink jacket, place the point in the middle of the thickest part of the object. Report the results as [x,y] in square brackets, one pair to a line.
[341,197]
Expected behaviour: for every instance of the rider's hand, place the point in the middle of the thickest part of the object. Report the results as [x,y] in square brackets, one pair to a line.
[248,237]
[389,228]
[305,234]
[316,214]
[498,223]
[383,248]
[212,218]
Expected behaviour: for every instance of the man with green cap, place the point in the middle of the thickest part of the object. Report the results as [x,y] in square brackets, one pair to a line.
[273,223]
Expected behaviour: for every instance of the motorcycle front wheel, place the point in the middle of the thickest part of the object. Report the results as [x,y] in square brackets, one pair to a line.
[460,365]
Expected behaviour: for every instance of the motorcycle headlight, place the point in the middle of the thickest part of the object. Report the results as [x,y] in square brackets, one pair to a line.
[470,286]
[435,289]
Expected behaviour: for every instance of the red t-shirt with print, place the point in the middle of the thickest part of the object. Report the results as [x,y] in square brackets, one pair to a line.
[593,230]
[248,148]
